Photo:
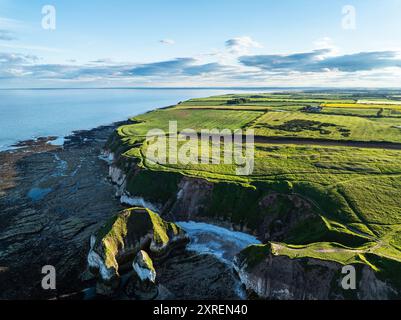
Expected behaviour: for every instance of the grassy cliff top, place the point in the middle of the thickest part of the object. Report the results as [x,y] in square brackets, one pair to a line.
[386,264]
[126,229]
[341,152]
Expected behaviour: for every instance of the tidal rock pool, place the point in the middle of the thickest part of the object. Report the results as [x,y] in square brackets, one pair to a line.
[37,194]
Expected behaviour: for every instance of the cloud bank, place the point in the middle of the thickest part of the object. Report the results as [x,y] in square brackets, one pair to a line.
[7,35]
[317,61]
[241,45]
[323,66]
[167,42]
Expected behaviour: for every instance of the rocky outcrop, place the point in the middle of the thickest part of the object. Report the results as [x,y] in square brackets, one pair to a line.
[370,288]
[115,247]
[281,278]
[143,266]
[142,284]
[107,156]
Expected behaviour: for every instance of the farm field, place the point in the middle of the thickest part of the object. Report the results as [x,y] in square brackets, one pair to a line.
[193,119]
[355,191]
[324,126]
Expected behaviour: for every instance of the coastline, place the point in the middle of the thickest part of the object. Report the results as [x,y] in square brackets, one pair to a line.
[39,229]
[53,199]
[53,140]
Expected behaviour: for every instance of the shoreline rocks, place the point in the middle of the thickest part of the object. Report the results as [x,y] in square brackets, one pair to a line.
[142,284]
[123,244]
[55,228]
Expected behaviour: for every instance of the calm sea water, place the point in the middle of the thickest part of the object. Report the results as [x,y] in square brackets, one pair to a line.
[26,114]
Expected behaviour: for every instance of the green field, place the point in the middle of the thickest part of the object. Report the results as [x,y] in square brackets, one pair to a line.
[394,106]
[324,126]
[193,119]
[355,191]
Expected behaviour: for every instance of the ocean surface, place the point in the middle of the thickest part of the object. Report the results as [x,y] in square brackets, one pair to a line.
[220,242]
[29,114]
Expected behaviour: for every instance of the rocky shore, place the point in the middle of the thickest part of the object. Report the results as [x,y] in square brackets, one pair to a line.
[53,199]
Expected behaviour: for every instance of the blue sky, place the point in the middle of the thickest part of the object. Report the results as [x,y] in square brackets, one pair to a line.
[200,43]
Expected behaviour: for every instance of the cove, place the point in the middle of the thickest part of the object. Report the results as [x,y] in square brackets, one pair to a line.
[220,242]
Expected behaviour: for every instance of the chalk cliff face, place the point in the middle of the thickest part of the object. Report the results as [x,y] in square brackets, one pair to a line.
[119,178]
[116,249]
[143,266]
[282,278]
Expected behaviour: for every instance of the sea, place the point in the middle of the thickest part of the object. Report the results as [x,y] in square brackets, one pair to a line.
[32,113]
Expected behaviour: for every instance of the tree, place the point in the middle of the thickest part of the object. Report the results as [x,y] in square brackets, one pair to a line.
[380,113]
[238,101]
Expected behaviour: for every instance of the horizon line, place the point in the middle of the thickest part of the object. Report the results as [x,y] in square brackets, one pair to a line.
[202,88]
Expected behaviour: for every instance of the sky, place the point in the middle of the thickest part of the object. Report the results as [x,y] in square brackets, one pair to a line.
[181,43]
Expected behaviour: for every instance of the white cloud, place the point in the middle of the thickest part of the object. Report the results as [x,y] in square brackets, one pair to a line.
[169,42]
[6,23]
[324,43]
[317,67]
[318,61]
[30,47]
[328,44]
[241,45]
[7,35]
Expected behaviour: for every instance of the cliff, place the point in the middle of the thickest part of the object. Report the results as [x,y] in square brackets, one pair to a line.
[272,210]
[273,276]
[114,248]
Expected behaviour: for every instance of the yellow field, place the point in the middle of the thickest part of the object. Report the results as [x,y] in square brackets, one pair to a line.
[362,106]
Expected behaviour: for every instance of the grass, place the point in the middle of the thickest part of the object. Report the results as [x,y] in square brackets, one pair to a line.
[325,251]
[363,105]
[194,119]
[147,261]
[355,193]
[255,254]
[127,228]
[367,113]
[334,127]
